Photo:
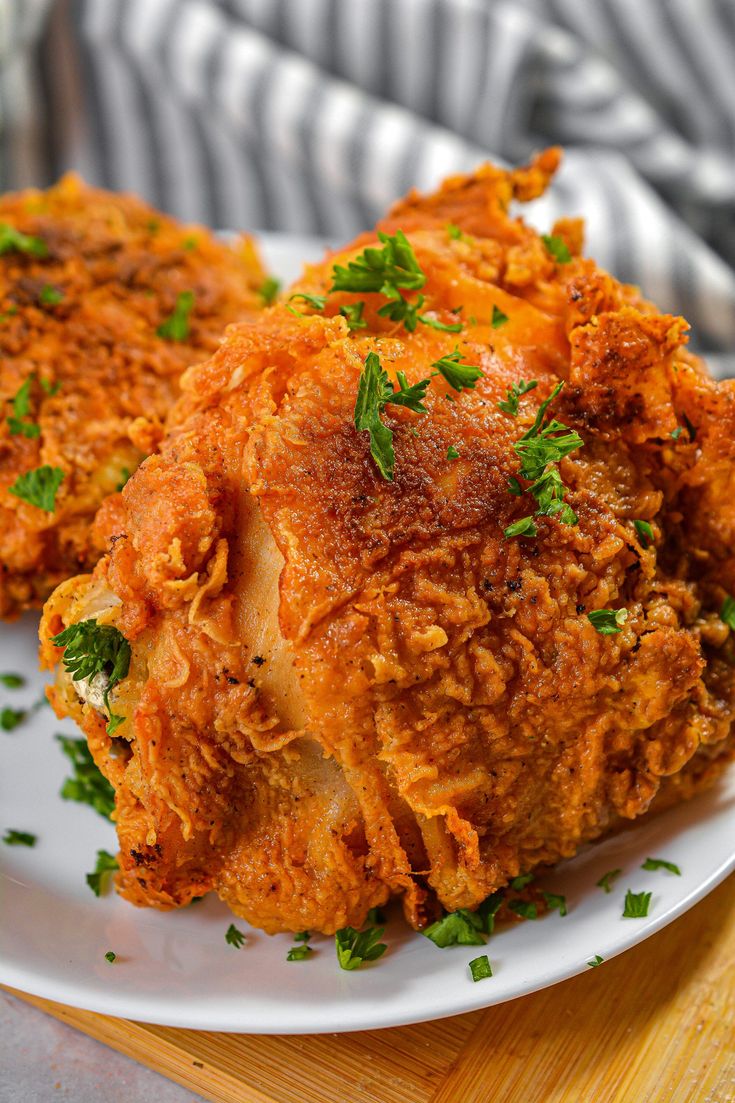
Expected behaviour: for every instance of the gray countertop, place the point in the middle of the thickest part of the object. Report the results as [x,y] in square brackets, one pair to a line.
[45,1061]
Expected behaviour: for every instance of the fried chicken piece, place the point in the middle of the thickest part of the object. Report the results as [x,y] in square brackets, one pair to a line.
[345,688]
[86,279]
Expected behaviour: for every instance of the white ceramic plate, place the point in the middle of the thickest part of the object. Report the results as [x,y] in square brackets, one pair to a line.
[175,968]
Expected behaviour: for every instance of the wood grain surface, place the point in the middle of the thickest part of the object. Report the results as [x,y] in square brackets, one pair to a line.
[656,1025]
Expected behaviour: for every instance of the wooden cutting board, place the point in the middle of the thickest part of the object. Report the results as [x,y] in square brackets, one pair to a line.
[656,1025]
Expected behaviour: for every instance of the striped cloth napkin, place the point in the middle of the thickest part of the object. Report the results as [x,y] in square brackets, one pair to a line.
[313,115]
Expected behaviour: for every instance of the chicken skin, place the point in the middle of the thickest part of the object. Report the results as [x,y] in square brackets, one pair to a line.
[103,304]
[372,653]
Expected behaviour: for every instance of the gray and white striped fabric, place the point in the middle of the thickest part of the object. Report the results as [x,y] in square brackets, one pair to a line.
[313,115]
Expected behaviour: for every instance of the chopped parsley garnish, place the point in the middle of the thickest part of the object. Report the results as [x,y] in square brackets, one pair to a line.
[269,289]
[480,968]
[11,718]
[676,433]
[659,863]
[299,953]
[645,532]
[460,928]
[499,319]
[19,838]
[596,960]
[452,453]
[12,240]
[304,936]
[48,387]
[92,649]
[459,376]
[87,784]
[353,313]
[39,487]
[385,270]
[454,231]
[235,938]
[608,621]
[105,866]
[636,905]
[374,392]
[605,882]
[554,902]
[488,909]
[388,272]
[318,302]
[374,918]
[176,326]
[519,883]
[524,527]
[540,450]
[124,476]
[110,956]
[21,408]
[12,681]
[525,908]
[509,405]
[727,612]
[50,295]
[557,248]
[355,947]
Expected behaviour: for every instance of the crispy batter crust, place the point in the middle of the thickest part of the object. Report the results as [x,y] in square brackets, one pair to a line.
[119,266]
[434,713]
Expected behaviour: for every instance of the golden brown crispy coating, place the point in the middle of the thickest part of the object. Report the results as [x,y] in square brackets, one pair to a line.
[344,688]
[81,320]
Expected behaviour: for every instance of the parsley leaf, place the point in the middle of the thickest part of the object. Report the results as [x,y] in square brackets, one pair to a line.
[454,232]
[304,936]
[488,909]
[659,863]
[596,960]
[39,487]
[509,405]
[636,905]
[125,474]
[524,527]
[13,240]
[11,718]
[525,908]
[608,621]
[605,882]
[317,302]
[459,376]
[519,883]
[355,947]
[235,938]
[50,295]
[110,956]
[557,248]
[727,612]
[452,453]
[353,313]
[176,326]
[12,681]
[48,387]
[21,408]
[374,392]
[676,433]
[19,838]
[540,450]
[434,323]
[87,785]
[99,879]
[460,928]
[554,902]
[382,270]
[91,650]
[645,532]
[480,968]
[299,953]
[499,319]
